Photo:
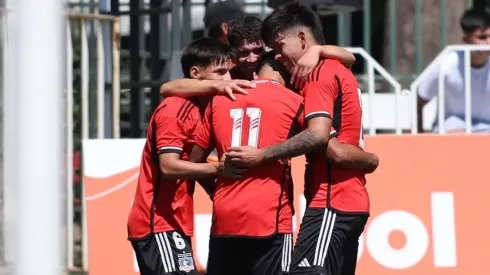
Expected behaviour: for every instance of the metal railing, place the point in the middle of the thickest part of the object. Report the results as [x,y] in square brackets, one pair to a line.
[85,96]
[3,53]
[439,61]
[372,66]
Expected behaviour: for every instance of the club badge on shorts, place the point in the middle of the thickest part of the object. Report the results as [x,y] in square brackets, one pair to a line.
[186,263]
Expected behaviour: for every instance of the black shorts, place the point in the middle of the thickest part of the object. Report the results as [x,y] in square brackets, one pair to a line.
[165,253]
[247,256]
[327,243]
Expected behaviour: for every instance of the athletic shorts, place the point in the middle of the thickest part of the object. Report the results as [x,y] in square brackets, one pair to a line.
[327,243]
[165,253]
[247,256]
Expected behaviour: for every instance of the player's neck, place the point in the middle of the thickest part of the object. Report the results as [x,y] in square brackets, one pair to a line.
[272,75]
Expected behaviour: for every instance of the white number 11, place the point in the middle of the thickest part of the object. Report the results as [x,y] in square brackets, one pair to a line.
[253,130]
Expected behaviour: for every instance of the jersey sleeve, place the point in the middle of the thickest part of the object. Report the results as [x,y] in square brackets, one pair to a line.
[204,131]
[171,133]
[429,86]
[319,98]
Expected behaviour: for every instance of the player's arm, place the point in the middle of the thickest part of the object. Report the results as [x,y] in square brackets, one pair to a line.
[319,98]
[338,53]
[350,156]
[202,149]
[309,60]
[199,155]
[171,134]
[187,87]
[173,167]
[426,91]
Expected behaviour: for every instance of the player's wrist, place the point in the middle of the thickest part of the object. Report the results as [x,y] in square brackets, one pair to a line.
[215,86]
[213,168]
[266,155]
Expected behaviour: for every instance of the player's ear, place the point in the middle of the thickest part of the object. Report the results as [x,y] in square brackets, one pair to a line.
[194,72]
[302,38]
[224,29]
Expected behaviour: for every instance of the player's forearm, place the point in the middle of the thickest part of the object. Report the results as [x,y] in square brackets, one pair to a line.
[302,143]
[420,114]
[188,170]
[351,157]
[334,52]
[186,87]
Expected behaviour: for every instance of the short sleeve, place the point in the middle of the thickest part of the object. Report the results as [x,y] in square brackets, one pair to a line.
[301,117]
[428,87]
[319,98]
[204,131]
[170,133]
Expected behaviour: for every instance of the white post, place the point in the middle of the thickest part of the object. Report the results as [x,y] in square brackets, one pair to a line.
[10,124]
[441,98]
[467,91]
[40,110]
[69,145]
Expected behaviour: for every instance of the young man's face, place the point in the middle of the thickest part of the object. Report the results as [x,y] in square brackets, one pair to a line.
[478,37]
[216,71]
[289,45]
[248,55]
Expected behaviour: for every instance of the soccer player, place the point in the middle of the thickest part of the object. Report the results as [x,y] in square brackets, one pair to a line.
[338,202]
[252,217]
[160,223]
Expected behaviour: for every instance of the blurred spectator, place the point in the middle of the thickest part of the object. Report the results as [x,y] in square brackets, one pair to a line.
[475,24]
[217,17]
[216,22]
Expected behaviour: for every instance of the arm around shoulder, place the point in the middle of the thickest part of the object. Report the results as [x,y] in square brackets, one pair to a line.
[338,53]
[187,87]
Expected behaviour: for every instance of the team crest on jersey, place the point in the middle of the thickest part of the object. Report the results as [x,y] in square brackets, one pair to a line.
[186,263]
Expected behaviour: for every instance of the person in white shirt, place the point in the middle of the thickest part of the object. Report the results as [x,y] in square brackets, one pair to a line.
[475,24]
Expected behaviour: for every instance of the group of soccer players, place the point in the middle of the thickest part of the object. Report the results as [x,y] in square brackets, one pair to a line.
[255,133]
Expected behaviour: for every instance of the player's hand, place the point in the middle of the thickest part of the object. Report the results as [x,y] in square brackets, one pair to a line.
[227,169]
[246,156]
[229,87]
[374,164]
[305,66]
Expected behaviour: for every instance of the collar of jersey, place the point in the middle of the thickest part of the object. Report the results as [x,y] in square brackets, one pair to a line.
[265,80]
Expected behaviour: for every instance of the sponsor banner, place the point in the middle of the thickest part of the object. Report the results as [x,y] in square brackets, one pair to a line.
[426,198]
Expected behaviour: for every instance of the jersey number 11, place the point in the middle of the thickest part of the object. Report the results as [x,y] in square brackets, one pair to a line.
[253,129]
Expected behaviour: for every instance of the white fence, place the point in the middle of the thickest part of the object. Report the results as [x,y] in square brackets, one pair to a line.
[98,21]
[381,111]
[439,61]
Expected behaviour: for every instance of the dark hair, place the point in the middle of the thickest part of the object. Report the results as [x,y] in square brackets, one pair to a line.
[245,29]
[215,31]
[269,58]
[474,19]
[204,52]
[289,16]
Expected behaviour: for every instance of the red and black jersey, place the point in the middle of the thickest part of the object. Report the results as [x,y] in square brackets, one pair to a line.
[164,205]
[260,204]
[332,91]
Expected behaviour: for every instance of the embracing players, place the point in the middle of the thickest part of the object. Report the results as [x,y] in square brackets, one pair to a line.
[246,41]
[251,231]
[337,200]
